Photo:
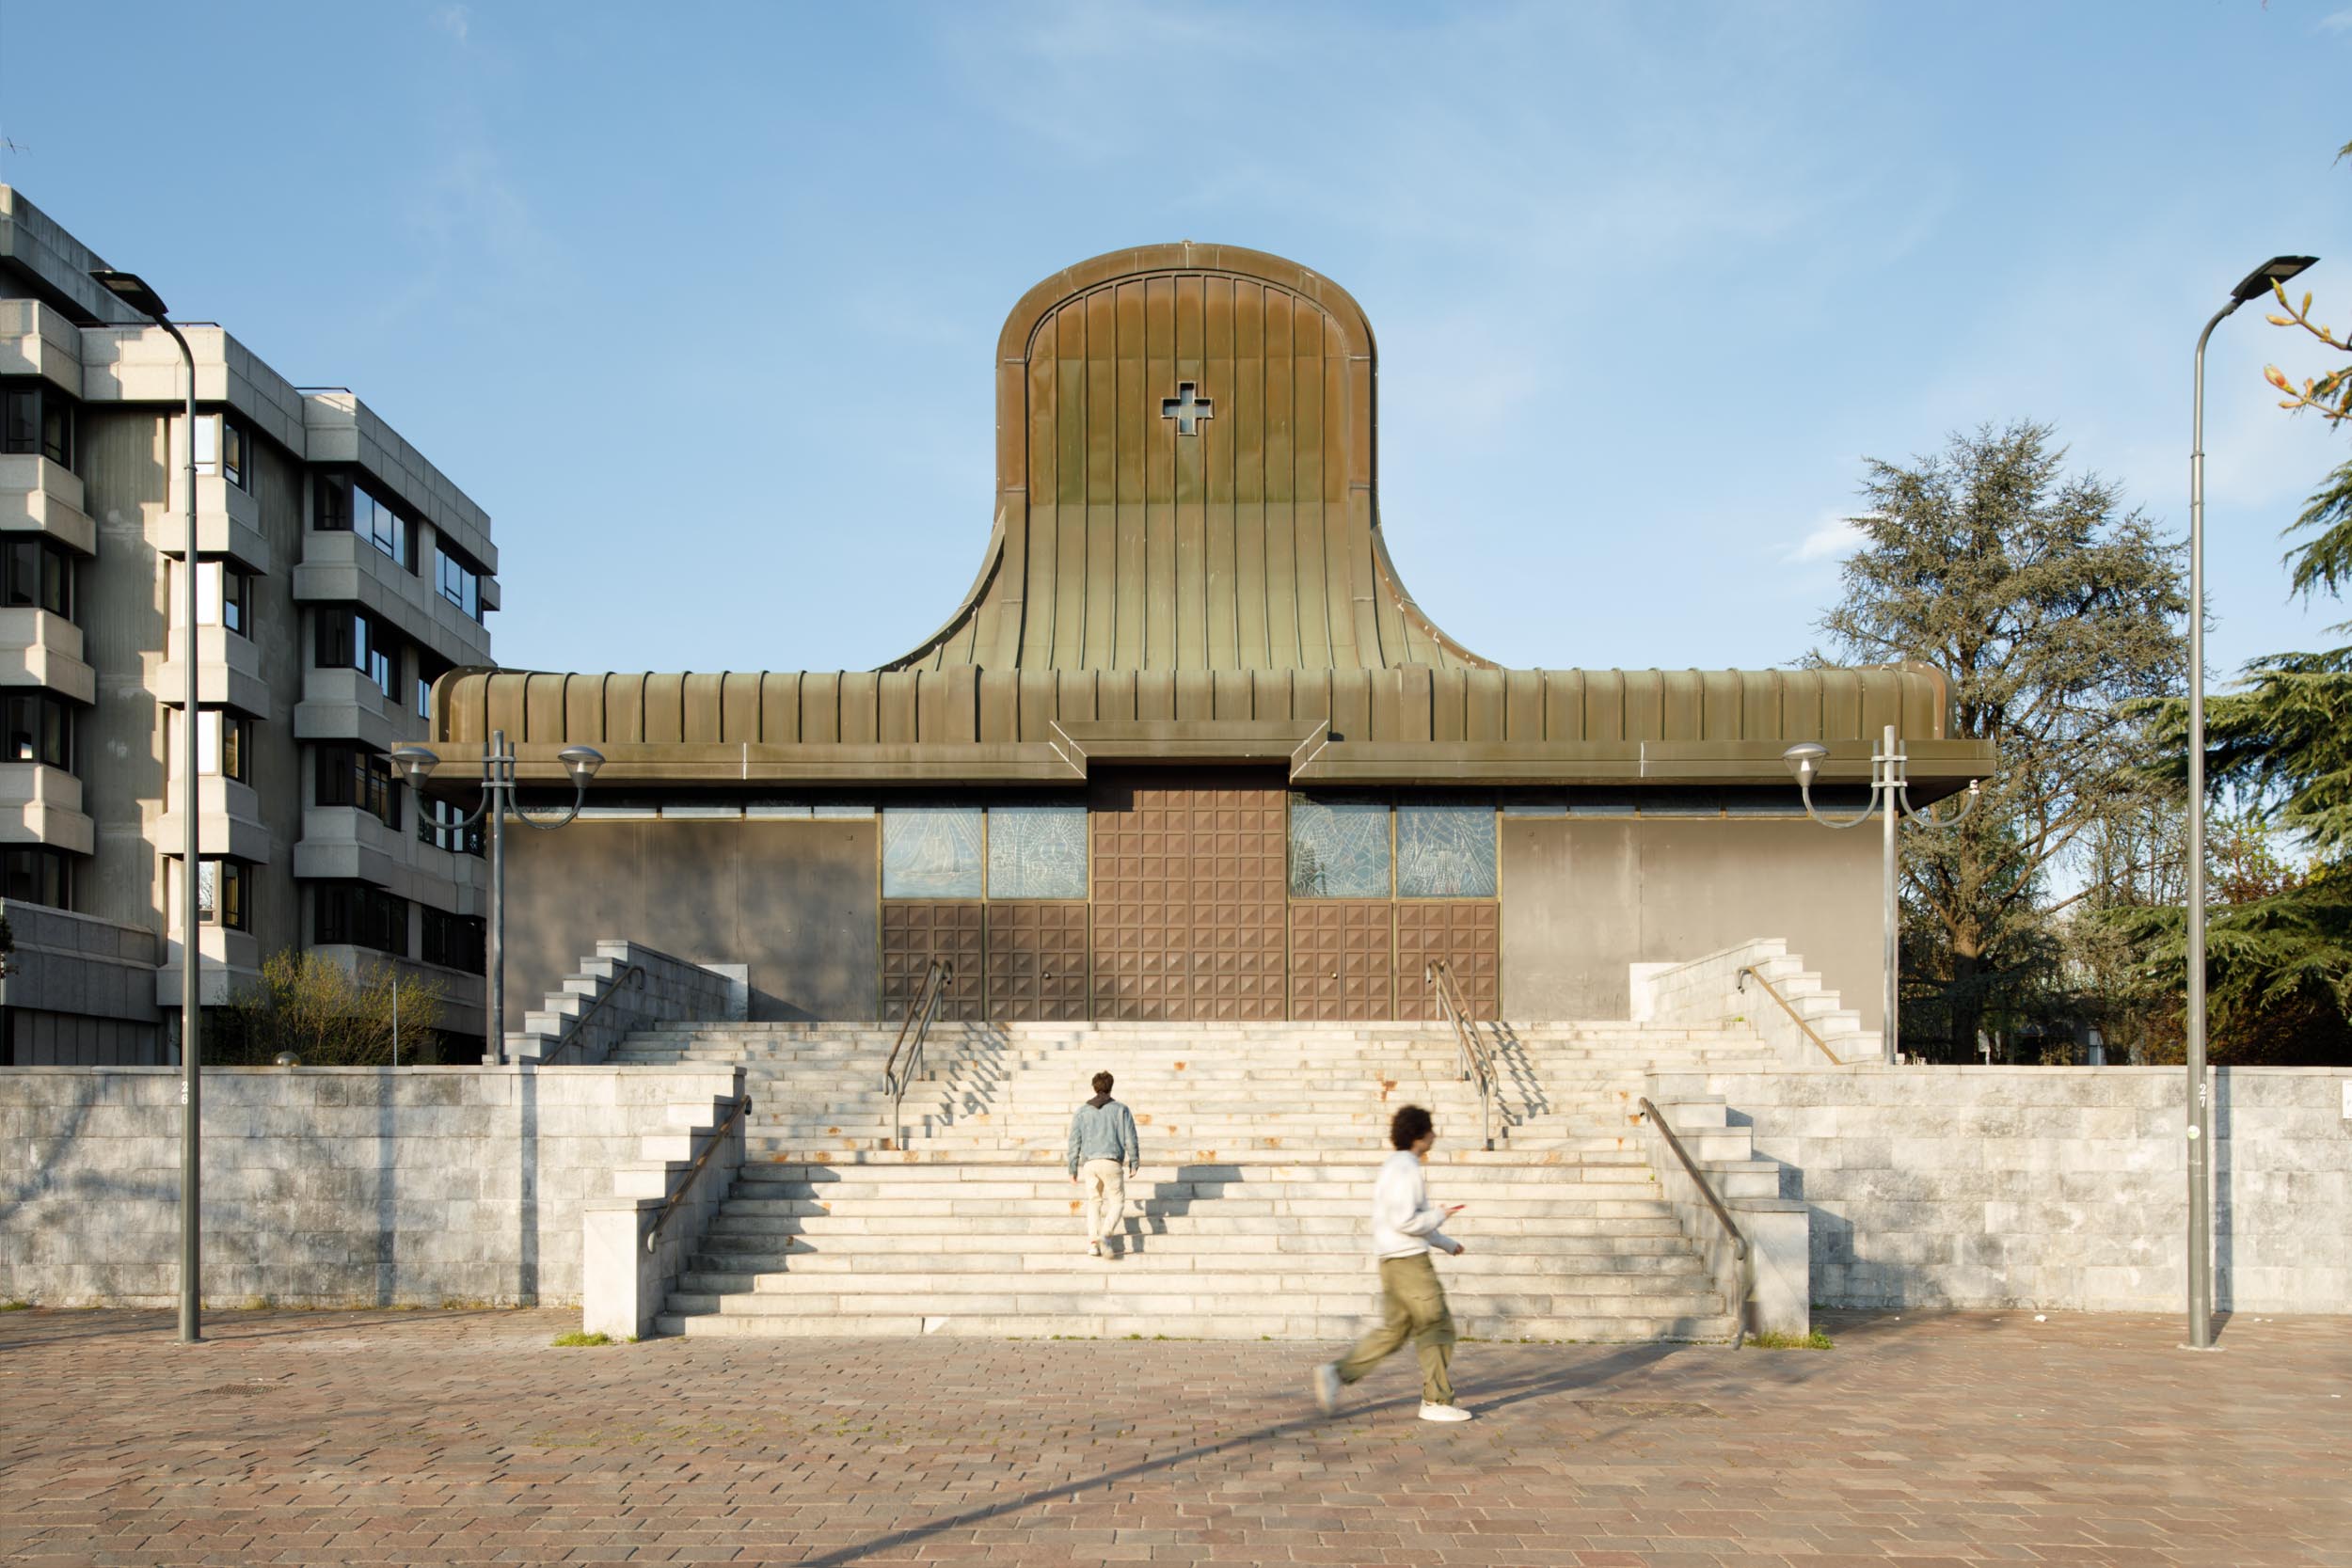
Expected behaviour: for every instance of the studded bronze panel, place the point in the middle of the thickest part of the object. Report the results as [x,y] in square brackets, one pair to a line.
[914,932]
[1189,897]
[1342,960]
[1465,933]
[1037,963]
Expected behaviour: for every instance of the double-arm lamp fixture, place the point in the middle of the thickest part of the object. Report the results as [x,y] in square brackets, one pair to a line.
[1890,789]
[498,803]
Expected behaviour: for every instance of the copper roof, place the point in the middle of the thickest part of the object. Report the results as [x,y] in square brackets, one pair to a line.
[1186,565]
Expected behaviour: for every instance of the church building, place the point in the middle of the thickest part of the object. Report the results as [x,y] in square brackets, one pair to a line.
[1188,749]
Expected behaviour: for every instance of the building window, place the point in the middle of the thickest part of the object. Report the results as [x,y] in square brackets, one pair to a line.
[1037,851]
[37,876]
[453,940]
[932,852]
[36,420]
[223,594]
[223,447]
[40,729]
[428,670]
[1445,851]
[346,504]
[224,744]
[220,894]
[351,639]
[437,825]
[355,776]
[459,580]
[357,915]
[1338,847]
[39,575]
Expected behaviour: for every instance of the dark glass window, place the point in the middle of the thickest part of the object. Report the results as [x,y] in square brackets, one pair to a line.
[346,504]
[224,446]
[437,825]
[355,776]
[459,580]
[40,729]
[220,894]
[358,916]
[350,639]
[36,418]
[39,577]
[453,940]
[37,876]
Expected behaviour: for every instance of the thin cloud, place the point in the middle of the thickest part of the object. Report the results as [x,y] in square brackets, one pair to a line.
[1834,538]
[454,21]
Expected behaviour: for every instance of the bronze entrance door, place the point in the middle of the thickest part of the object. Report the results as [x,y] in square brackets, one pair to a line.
[1188,896]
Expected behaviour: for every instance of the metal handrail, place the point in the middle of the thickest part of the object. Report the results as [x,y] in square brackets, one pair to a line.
[1477,1059]
[670,1203]
[921,1011]
[1707,1191]
[634,977]
[1794,1017]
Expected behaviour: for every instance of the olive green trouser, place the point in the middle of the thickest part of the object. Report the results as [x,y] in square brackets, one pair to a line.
[1416,1310]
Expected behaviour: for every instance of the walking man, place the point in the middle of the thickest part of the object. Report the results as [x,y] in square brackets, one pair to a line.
[1404,1233]
[1104,1152]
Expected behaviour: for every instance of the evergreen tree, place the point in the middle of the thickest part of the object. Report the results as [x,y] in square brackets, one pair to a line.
[2051,608]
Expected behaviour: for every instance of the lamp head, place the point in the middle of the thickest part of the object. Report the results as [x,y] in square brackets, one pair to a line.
[581,762]
[1804,760]
[2278,270]
[131,290]
[415,762]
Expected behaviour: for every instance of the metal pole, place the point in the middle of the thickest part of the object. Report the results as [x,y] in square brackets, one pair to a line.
[2196,1111]
[1893,935]
[395,1016]
[191,945]
[497,783]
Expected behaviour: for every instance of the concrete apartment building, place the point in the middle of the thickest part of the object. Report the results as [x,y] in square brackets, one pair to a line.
[339,574]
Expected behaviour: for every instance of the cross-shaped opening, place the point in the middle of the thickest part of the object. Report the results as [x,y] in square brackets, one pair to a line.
[1186,409]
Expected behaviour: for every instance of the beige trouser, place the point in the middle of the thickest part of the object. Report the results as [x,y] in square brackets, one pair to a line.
[1106,1184]
[1415,1309]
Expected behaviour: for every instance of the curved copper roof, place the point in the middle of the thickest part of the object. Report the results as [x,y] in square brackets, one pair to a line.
[1247,537]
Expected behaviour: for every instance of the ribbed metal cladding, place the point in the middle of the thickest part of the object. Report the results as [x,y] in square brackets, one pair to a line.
[1416,704]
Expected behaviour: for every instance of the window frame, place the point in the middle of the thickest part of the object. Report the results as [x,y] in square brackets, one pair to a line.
[359,914]
[53,569]
[44,399]
[50,730]
[226,878]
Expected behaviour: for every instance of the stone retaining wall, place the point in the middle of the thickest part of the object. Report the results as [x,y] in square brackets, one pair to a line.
[2061,1187]
[322,1186]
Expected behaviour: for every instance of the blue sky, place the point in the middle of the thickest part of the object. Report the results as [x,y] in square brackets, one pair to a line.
[699,301]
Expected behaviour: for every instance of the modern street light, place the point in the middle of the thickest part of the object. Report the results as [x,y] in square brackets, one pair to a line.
[2199,1111]
[1890,790]
[498,802]
[133,292]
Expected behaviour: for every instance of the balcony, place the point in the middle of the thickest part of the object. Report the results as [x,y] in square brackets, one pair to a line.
[345,844]
[232,960]
[40,804]
[41,496]
[231,823]
[228,674]
[38,341]
[344,568]
[77,963]
[228,523]
[345,704]
[40,648]
[462,992]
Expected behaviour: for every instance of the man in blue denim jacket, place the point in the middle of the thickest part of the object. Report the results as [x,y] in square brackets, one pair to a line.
[1105,1151]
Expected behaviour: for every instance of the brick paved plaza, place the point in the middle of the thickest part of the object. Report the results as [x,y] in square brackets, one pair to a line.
[463,1437]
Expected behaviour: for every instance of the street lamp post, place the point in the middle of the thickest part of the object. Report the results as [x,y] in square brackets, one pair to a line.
[498,803]
[128,287]
[2198,1111]
[1890,791]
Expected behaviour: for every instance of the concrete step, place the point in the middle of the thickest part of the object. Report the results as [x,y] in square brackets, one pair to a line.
[1334,1329]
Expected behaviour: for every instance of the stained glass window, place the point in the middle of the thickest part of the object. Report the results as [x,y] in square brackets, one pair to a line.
[1037,851]
[1338,847]
[932,852]
[1445,851]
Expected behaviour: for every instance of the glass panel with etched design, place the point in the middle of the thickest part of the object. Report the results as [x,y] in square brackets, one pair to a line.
[932,852]
[1338,847]
[1445,851]
[1037,851]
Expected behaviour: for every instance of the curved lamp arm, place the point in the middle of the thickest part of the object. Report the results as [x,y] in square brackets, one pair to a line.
[1926,817]
[1804,760]
[581,762]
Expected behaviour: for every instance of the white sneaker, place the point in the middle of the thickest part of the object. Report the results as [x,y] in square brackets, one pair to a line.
[1095,1248]
[1443,1411]
[1327,1388]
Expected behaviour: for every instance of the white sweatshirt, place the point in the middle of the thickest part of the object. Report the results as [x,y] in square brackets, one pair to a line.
[1402,1224]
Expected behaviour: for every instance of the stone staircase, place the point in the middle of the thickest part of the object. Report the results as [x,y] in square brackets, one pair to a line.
[1247,1219]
